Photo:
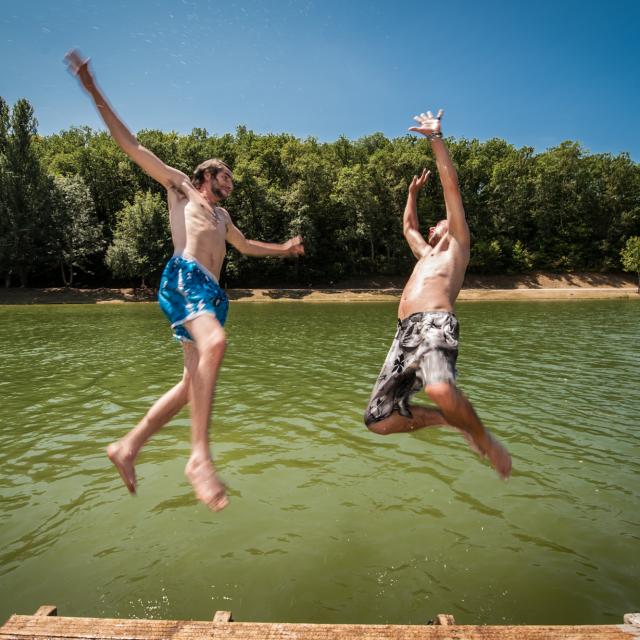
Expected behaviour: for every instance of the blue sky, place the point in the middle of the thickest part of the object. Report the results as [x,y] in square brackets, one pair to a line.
[532,73]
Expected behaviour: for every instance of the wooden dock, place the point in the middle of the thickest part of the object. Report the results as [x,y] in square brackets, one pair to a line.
[45,623]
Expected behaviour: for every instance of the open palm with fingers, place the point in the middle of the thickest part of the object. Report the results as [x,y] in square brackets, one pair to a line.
[429,124]
[419,181]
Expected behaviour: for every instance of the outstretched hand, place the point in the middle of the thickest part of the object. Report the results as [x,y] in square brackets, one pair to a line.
[419,181]
[429,125]
[295,246]
[79,67]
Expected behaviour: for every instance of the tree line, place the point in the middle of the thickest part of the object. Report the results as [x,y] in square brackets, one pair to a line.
[75,209]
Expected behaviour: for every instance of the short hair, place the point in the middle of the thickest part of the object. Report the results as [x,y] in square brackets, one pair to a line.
[213,166]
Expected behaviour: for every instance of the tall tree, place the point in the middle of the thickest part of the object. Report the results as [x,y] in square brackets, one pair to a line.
[355,192]
[78,233]
[25,234]
[141,240]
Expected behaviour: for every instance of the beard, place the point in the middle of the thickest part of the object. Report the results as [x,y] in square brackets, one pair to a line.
[217,192]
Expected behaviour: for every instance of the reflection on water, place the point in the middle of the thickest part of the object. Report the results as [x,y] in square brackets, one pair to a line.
[327,522]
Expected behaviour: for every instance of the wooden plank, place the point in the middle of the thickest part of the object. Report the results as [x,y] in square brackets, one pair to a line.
[222,616]
[21,627]
[47,610]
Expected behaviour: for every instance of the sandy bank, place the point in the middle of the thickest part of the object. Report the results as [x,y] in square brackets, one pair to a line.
[383,295]
[535,286]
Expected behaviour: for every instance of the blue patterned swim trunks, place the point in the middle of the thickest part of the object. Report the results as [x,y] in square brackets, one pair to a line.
[187,290]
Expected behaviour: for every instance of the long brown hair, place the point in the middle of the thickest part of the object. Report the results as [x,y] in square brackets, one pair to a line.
[213,166]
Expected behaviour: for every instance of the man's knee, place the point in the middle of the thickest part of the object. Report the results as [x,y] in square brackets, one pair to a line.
[381,427]
[444,394]
[183,387]
[214,345]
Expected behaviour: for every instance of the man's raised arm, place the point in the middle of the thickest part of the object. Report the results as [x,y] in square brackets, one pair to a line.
[430,127]
[410,224]
[145,159]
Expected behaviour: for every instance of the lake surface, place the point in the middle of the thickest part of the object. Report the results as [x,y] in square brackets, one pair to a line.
[327,522]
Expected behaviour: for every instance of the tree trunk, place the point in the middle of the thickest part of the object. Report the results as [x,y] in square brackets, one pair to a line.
[7,280]
[64,275]
[23,274]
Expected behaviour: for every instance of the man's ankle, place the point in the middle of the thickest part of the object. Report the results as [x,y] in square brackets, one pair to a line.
[199,456]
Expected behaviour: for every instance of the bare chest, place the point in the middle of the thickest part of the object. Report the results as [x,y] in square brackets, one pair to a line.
[435,264]
[205,224]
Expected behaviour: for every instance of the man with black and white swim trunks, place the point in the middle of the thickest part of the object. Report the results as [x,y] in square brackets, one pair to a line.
[425,347]
[189,294]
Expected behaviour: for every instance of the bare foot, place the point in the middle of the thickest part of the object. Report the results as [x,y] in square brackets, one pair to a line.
[492,449]
[123,458]
[498,456]
[206,484]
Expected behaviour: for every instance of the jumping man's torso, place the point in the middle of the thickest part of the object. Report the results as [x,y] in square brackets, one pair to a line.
[436,280]
[198,229]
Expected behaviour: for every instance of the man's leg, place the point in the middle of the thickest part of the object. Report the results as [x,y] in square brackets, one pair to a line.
[210,341]
[396,423]
[459,413]
[123,452]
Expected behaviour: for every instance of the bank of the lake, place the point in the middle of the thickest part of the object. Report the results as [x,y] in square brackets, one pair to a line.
[532,286]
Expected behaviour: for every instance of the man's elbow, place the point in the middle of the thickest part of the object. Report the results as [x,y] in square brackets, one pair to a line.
[246,248]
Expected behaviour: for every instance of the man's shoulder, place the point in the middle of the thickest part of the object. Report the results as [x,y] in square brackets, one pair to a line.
[224,213]
[459,245]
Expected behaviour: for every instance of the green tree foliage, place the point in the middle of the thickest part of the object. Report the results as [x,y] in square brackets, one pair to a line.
[5,257]
[631,257]
[562,209]
[141,240]
[108,173]
[521,259]
[355,192]
[76,231]
[24,241]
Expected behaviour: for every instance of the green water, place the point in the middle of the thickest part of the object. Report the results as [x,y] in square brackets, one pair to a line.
[327,522]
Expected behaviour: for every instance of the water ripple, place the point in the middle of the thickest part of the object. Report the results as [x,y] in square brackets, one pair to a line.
[359,528]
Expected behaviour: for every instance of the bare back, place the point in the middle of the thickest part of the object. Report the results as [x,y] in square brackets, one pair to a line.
[198,230]
[436,280]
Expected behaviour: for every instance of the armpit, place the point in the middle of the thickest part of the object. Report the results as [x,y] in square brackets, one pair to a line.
[176,192]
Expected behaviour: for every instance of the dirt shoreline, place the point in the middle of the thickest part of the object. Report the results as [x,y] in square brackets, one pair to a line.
[533,286]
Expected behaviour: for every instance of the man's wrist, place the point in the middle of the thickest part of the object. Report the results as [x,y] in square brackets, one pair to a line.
[434,136]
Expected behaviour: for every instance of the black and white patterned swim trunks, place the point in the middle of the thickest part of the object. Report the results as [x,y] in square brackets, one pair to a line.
[424,351]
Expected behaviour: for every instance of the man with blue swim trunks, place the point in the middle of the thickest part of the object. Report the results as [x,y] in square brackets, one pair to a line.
[425,348]
[189,294]
[188,289]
